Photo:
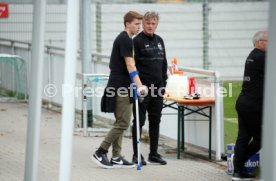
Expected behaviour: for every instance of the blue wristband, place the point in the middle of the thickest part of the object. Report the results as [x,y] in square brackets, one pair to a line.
[132,75]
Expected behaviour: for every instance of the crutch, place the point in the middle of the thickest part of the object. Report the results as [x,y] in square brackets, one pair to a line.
[136,98]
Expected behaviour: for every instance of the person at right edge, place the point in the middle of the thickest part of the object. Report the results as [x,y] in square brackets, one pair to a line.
[151,62]
[249,107]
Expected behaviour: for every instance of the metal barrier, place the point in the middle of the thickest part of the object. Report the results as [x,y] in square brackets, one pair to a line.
[93,87]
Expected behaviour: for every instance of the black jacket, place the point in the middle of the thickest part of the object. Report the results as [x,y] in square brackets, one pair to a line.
[150,59]
[251,96]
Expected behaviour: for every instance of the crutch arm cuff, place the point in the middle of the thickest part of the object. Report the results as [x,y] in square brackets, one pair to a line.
[133,74]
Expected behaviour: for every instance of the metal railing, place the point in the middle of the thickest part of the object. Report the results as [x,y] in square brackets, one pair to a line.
[49,49]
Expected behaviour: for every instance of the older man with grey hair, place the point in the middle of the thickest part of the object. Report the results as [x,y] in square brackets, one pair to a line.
[151,62]
[249,107]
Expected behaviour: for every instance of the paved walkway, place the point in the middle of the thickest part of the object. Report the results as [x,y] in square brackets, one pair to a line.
[13,127]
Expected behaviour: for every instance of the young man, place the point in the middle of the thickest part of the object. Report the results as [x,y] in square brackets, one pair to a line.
[151,62]
[250,107]
[122,72]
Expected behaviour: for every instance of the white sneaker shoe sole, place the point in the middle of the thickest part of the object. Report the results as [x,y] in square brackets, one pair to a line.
[154,163]
[123,166]
[247,179]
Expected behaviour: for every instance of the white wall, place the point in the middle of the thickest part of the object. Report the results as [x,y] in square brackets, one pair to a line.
[231,26]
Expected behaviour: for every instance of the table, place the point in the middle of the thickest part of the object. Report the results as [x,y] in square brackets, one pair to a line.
[184,105]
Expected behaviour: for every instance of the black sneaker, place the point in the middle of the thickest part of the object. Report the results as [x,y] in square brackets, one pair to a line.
[102,160]
[121,162]
[242,176]
[135,160]
[156,159]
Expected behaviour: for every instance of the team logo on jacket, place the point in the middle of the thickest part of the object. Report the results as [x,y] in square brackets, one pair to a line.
[159,46]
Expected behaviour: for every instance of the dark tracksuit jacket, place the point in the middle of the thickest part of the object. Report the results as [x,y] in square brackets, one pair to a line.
[151,62]
[249,107]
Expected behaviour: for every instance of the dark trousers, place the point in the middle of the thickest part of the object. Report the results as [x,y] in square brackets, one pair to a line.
[152,105]
[249,138]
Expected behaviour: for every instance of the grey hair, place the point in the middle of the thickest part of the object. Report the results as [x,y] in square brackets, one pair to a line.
[151,15]
[258,36]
